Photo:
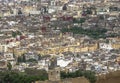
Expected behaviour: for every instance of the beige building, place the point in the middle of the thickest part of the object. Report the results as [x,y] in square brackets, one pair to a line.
[3,48]
[3,64]
[65,1]
[72,48]
[116,46]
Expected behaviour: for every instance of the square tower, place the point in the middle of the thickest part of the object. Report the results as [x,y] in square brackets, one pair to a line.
[54,70]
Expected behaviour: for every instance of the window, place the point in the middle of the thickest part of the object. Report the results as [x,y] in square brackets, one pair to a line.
[57,71]
[51,73]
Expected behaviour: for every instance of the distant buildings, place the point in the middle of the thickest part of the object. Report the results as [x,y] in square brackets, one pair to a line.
[33,28]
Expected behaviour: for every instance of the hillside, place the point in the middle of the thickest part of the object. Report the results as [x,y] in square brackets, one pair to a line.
[112,77]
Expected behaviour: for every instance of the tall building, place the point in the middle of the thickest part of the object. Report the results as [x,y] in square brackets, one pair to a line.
[54,71]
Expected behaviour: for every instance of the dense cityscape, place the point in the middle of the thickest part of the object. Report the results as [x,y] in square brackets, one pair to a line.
[53,41]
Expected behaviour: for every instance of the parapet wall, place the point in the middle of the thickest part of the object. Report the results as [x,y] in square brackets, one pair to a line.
[69,80]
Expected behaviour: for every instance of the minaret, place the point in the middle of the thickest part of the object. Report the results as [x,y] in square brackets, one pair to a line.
[54,71]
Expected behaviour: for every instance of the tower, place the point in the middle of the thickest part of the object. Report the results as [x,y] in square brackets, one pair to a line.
[54,71]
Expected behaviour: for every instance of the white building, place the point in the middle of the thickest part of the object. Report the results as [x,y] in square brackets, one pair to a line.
[64,62]
[105,46]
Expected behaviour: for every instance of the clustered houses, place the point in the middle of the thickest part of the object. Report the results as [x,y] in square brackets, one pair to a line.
[33,29]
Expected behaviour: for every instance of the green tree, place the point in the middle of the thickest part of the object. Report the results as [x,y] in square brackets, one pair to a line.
[39,57]
[19,59]
[14,34]
[94,33]
[19,33]
[79,73]
[23,57]
[81,21]
[31,60]
[18,77]
[9,66]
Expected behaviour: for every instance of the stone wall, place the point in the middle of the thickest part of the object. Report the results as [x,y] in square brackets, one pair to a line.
[69,80]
